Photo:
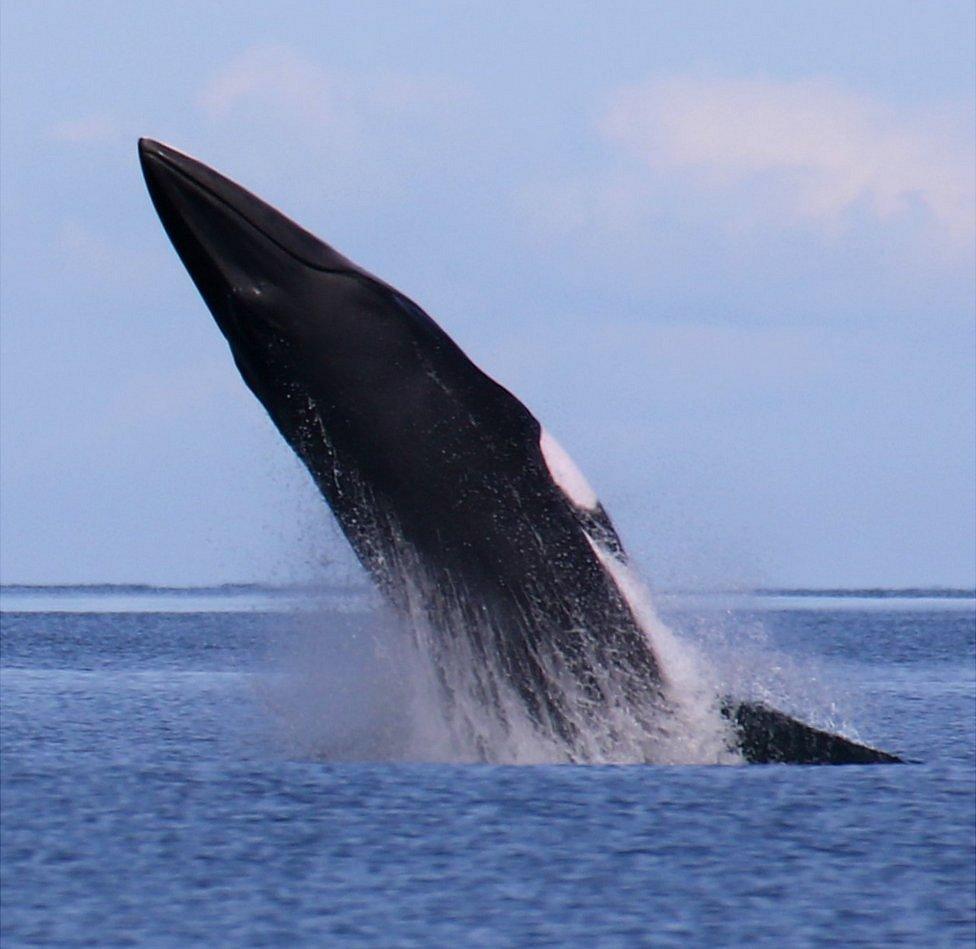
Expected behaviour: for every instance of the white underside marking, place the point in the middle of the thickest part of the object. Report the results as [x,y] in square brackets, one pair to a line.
[699,734]
[565,474]
[674,658]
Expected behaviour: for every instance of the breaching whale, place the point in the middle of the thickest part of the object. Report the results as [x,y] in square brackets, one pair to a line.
[460,506]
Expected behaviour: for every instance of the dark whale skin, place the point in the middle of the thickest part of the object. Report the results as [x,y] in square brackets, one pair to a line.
[434,471]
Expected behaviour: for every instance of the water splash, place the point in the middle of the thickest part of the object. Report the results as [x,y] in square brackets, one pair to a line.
[429,683]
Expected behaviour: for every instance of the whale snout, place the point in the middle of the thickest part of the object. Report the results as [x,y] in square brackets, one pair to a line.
[231,242]
[183,185]
[254,267]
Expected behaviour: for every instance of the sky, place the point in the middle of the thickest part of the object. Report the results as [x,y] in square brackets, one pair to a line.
[725,252]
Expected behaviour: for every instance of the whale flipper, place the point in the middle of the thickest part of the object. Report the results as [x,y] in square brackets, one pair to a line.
[767,736]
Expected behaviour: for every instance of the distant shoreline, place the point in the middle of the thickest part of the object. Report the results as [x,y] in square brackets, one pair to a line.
[232,589]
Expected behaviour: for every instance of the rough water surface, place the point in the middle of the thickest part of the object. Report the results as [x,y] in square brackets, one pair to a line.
[227,770]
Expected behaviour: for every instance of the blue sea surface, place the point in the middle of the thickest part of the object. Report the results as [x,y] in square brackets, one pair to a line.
[166,781]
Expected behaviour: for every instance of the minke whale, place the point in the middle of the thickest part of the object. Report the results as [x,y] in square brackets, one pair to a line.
[464,511]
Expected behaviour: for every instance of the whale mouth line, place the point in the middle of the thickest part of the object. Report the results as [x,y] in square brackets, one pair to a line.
[154,151]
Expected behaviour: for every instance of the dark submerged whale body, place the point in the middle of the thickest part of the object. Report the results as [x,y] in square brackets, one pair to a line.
[464,511]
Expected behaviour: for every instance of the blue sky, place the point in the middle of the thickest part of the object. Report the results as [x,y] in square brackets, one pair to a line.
[724,251]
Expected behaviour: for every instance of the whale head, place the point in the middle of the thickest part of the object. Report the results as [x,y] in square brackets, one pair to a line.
[329,349]
[277,292]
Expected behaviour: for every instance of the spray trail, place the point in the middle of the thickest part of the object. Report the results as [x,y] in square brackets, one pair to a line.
[436,684]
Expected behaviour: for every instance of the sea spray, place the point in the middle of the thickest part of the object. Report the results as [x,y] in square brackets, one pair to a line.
[696,733]
[429,682]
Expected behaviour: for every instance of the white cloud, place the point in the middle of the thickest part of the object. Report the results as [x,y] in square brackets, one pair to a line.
[809,148]
[282,79]
[365,133]
[88,130]
[274,76]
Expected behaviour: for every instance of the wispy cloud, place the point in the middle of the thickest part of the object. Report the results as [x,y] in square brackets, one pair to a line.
[365,132]
[809,149]
[283,79]
[87,130]
[273,76]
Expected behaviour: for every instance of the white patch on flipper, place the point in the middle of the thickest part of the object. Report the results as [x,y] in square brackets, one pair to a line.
[567,476]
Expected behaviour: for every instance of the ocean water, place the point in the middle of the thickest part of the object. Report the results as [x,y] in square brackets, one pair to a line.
[242,767]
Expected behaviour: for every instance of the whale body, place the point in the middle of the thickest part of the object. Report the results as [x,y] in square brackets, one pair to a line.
[459,504]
